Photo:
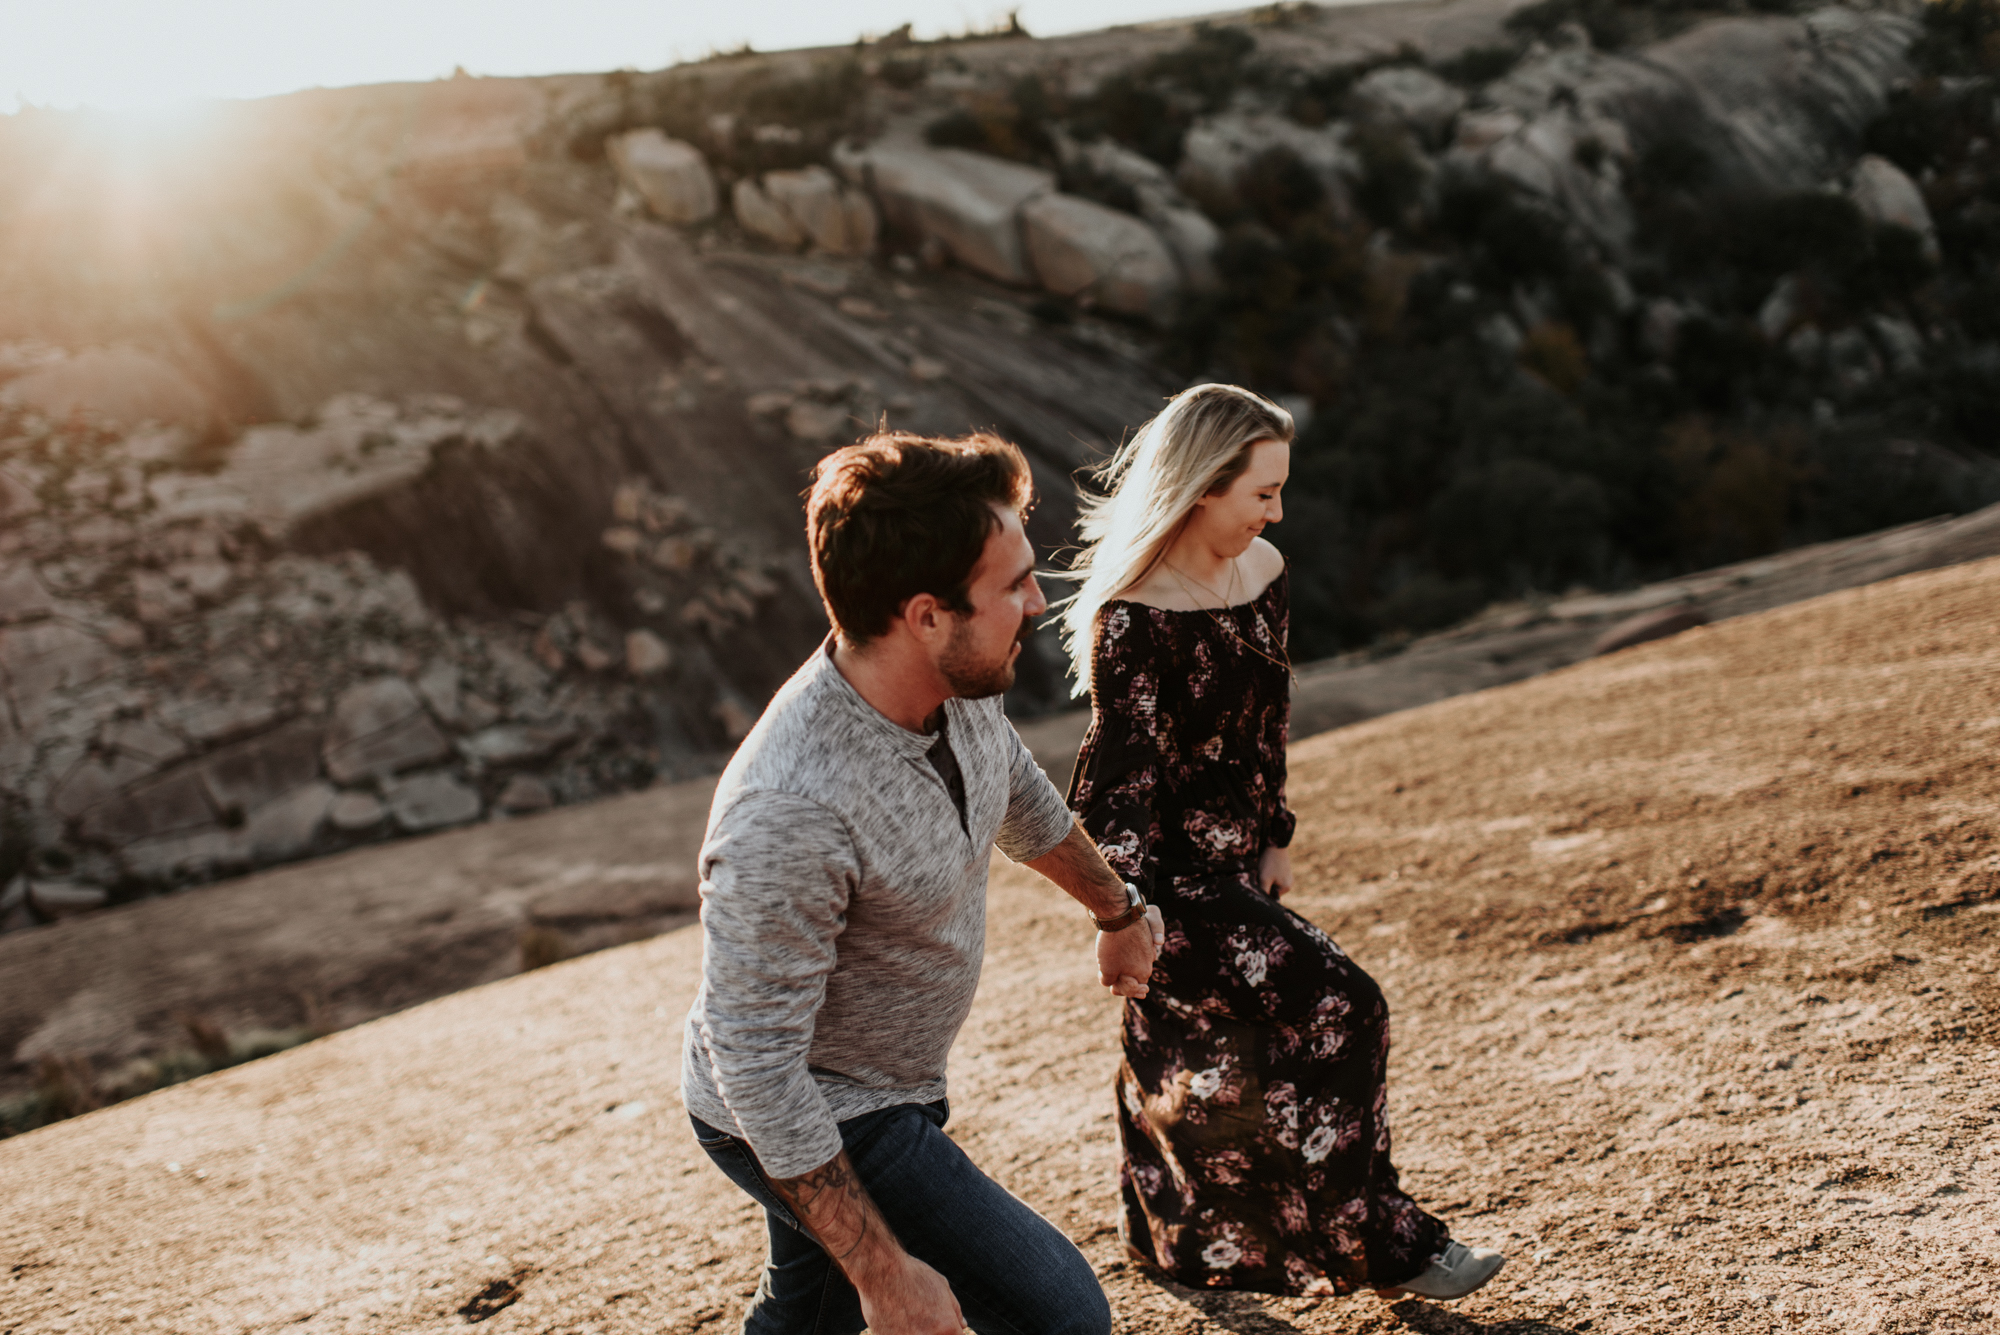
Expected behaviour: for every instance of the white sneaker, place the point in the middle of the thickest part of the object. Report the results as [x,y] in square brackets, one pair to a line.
[1453,1273]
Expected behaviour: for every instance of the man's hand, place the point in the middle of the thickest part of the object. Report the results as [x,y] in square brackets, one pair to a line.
[1274,871]
[908,1298]
[900,1295]
[1125,957]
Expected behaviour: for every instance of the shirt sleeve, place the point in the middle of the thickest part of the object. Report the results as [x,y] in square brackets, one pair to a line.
[777,871]
[1115,797]
[1037,817]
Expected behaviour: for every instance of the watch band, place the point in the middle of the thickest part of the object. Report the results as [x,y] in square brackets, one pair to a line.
[1135,910]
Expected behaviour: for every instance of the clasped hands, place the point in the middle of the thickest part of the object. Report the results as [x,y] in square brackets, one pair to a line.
[1125,957]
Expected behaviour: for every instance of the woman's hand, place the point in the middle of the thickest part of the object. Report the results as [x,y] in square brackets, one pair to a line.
[1125,957]
[1274,871]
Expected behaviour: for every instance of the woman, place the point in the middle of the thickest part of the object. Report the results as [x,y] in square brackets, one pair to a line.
[1251,1101]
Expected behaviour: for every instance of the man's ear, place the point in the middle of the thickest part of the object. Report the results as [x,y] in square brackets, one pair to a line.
[924,617]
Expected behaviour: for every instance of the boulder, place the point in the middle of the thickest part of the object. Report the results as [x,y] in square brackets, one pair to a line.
[355,812]
[671,176]
[17,498]
[1660,328]
[1484,128]
[1889,198]
[380,728]
[1547,157]
[1219,148]
[120,386]
[1852,359]
[248,776]
[193,855]
[1899,341]
[646,654]
[172,804]
[525,793]
[212,722]
[759,215]
[1189,234]
[142,740]
[46,664]
[966,202]
[92,780]
[1656,624]
[836,219]
[441,687]
[430,800]
[514,743]
[861,221]
[288,826]
[356,449]
[1771,103]
[207,580]
[66,899]
[816,423]
[1191,237]
[1411,96]
[1082,248]
[1780,311]
[22,595]
[157,600]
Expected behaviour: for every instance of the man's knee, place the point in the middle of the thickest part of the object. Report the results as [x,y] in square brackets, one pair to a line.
[1070,1298]
[1089,1311]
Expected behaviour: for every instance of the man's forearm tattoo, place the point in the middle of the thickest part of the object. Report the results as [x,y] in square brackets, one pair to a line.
[830,1195]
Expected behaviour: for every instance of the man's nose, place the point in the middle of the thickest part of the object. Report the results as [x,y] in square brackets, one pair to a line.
[1036,603]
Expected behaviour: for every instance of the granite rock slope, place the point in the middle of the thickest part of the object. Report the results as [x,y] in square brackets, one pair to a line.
[1698,1022]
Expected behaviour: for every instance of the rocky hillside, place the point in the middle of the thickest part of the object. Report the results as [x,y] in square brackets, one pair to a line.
[379,460]
[110,1005]
[1691,952]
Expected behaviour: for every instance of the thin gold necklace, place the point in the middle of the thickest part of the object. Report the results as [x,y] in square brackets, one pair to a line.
[1229,626]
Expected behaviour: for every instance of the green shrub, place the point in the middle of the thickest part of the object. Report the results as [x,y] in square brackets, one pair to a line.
[1150,107]
[1611,25]
[1960,37]
[1477,65]
[1392,174]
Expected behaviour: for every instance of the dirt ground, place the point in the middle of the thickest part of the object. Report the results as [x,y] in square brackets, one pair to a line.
[1692,956]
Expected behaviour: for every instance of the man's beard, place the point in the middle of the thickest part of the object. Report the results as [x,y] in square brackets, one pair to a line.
[972,678]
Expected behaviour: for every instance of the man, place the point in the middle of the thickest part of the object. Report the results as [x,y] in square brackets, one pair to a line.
[844,913]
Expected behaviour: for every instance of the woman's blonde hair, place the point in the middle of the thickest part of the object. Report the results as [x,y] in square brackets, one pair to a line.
[1197,446]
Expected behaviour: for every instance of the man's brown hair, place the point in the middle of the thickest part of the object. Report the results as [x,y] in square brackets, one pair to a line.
[898,514]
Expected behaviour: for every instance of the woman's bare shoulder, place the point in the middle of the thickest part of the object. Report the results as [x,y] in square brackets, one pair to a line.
[1159,590]
[1262,564]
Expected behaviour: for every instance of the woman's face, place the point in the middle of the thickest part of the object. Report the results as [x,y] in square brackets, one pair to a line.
[1227,522]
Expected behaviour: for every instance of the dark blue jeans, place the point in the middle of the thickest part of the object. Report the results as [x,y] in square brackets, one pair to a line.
[1012,1271]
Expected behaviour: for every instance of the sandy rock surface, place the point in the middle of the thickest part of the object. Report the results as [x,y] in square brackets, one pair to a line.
[1691,952]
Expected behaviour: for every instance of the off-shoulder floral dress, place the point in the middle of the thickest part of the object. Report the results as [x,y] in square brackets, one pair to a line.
[1251,1100]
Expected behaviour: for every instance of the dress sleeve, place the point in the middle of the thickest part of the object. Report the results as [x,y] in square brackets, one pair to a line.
[1278,830]
[1117,782]
[1283,824]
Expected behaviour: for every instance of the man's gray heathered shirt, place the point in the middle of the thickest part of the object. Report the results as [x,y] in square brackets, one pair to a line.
[843,912]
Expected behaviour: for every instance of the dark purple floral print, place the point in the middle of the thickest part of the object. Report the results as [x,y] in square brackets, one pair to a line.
[1251,1101]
